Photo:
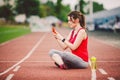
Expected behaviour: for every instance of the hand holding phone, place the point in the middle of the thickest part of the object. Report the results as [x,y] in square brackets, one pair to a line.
[53,30]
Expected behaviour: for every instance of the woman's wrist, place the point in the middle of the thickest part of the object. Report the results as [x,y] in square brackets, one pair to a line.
[63,40]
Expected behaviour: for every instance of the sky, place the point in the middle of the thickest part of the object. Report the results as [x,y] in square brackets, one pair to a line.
[108,4]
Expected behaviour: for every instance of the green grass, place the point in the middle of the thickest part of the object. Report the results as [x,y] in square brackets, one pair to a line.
[8,32]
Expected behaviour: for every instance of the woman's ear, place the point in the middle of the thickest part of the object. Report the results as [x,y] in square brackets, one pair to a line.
[77,20]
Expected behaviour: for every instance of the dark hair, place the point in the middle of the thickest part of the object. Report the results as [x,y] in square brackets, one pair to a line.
[53,24]
[79,15]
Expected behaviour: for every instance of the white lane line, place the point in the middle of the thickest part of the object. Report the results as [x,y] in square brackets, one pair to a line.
[93,72]
[102,71]
[16,68]
[40,61]
[26,57]
[9,77]
[111,78]
[93,76]
[109,61]
[89,61]
[25,61]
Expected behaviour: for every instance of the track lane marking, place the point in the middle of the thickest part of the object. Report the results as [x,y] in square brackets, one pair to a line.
[93,75]
[27,61]
[26,57]
[89,61]
[16,68]
[111,78]
[40,61]
[9,77]
[109,61]
[102,71]
[93,72]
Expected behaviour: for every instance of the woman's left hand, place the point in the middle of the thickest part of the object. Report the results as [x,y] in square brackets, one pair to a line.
[59,36]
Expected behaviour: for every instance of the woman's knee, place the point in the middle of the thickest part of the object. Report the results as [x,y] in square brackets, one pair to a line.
[51,52]
[55,55]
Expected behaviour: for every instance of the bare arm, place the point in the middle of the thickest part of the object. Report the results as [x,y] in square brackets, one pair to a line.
[81,35]
[62,45]
[59,40]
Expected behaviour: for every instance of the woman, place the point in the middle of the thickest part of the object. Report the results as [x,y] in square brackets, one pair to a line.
[76,41]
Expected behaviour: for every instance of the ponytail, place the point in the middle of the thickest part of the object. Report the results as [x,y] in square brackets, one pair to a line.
[82,21]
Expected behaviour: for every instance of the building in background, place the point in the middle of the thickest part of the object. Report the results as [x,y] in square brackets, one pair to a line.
[104,19]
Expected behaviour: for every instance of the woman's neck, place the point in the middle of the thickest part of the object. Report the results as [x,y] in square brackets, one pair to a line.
[77,27]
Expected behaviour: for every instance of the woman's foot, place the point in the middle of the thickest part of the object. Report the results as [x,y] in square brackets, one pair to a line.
[57,64]
[63,66]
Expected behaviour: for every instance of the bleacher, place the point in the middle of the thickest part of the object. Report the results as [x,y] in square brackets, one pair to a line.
[105,19]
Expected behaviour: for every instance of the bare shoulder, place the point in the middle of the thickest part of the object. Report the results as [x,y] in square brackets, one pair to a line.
[83,33]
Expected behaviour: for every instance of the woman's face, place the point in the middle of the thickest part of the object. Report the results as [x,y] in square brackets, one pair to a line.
[71,22]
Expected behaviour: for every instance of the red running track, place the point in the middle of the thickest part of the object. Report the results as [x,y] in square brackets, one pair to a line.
[26,58]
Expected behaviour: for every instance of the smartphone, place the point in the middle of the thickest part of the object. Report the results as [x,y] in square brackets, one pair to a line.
[53,30]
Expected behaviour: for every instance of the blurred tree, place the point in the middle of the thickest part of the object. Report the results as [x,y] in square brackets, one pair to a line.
[50,8]
[58,8]
[97,7]
[47,9]
[6,2]
[6,11]
[43,10]
[82,5]
[28,7]
[64,12]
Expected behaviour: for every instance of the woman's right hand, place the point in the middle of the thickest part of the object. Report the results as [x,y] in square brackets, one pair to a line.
[54,32]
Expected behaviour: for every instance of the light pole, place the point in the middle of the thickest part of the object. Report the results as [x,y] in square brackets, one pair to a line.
[91,27]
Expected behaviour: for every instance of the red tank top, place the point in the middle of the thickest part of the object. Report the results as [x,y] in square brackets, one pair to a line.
[81,51]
